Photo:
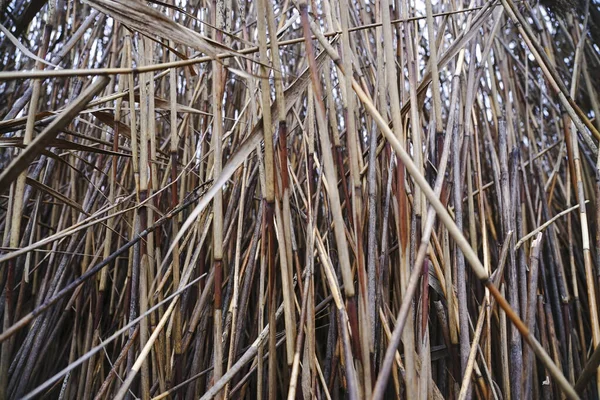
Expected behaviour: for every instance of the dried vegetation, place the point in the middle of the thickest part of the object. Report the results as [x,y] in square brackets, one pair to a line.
[324,199]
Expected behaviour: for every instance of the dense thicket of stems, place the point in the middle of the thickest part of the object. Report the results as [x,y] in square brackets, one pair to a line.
[299,199]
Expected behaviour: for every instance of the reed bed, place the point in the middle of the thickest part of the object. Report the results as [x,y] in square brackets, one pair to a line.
[292,199]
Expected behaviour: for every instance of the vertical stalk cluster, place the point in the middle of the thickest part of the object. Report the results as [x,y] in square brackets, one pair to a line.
[324,199]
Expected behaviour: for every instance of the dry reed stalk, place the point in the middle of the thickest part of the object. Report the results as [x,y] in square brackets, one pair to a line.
[216,215]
